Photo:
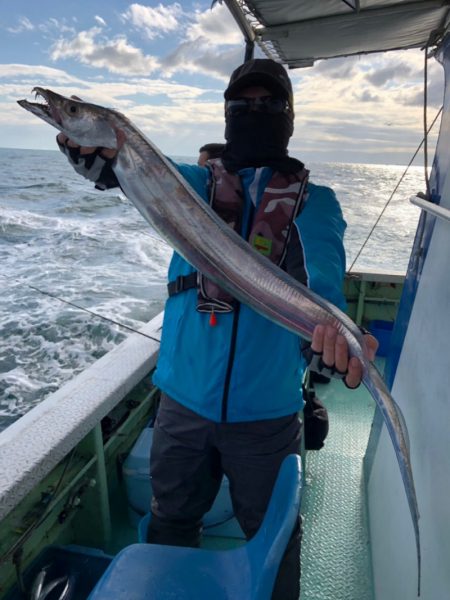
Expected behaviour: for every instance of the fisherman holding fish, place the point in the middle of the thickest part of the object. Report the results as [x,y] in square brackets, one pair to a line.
[231,378]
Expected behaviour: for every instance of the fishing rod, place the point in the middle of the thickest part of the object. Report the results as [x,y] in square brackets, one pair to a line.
[74,305]
[84,309]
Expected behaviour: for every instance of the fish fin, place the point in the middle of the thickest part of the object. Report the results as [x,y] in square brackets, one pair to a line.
[402,420]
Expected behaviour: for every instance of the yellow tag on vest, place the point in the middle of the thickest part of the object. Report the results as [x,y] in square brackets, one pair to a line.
[262,244]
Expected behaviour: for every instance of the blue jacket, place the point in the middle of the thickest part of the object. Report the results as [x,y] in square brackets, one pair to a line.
[247,368]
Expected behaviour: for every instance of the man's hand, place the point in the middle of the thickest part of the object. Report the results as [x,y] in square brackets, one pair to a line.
[335,353]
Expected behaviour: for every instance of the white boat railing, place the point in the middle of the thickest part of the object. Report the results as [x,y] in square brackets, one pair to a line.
[438,211]
[32,446]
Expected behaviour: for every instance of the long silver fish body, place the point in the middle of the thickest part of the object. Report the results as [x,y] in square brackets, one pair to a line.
[196,232]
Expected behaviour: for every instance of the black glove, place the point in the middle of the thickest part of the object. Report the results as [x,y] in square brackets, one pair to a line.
[91,166]
[316,364]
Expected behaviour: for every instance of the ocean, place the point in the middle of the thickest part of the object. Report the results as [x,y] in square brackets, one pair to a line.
[60,239]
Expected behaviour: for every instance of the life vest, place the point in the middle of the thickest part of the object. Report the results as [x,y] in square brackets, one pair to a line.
[269,233]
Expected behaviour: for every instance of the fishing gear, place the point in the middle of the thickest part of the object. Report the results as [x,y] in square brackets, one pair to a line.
[84,309]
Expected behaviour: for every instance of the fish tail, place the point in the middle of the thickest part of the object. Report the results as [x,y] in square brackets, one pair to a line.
[396,426]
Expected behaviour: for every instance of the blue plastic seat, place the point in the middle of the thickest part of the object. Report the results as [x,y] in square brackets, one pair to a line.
[155,572]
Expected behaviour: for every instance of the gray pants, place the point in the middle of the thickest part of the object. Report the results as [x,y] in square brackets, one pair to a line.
[189,456]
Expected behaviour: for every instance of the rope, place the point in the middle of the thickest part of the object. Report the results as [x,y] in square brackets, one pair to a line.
[425,132]
[396,188]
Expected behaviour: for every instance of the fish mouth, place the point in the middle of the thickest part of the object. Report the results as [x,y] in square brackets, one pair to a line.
[43,107]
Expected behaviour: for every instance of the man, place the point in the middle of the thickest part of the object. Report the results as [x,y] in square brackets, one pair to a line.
[231,379]
[208,152]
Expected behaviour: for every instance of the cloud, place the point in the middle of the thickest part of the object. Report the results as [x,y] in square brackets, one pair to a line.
[24,25]
[343,106]
[202,36]
[199,57]
[215,25]
[154,22]
[147,99]
[142,94]
[367,96]
[100,21]
[116,55]
[356,141]
[53,25]
[32,73]
[414,96]
[351,116]
[46,27]
[337,68]
[17,81]
[201,50]
[397,72]
[176,117]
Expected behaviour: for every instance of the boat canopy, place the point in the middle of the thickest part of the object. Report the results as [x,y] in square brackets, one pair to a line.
[298,32]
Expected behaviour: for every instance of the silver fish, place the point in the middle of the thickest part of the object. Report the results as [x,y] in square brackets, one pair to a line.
[39,591]
[194,230]
[38,584]
[64,583]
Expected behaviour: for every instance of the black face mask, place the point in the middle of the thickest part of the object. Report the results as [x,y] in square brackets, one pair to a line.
[257,139]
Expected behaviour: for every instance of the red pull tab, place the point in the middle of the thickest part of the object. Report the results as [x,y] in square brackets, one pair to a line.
[213,319]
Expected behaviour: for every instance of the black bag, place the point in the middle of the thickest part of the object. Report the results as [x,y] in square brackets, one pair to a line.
[315,420]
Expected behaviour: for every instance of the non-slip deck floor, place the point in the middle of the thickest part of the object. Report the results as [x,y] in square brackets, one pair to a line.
[335,549]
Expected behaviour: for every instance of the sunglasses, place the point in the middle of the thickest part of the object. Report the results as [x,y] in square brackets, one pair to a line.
[265,104]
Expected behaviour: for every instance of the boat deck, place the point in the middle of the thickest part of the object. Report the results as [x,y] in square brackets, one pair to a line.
[336,563]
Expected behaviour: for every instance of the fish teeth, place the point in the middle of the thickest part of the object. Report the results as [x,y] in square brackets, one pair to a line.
[39,95]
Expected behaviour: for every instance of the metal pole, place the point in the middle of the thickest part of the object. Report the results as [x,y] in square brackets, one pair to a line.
[102,481]
[247,31]
[361,299]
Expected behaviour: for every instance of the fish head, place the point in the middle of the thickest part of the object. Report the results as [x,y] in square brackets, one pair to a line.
[84,123]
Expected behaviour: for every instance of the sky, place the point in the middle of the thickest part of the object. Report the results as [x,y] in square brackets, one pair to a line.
[166,64]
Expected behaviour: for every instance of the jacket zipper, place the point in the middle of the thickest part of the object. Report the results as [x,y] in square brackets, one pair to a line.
[231,355]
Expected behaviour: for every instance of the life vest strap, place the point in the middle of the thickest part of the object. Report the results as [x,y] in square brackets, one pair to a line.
[182,283]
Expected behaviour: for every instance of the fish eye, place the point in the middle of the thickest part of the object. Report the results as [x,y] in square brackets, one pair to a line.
[72,108]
